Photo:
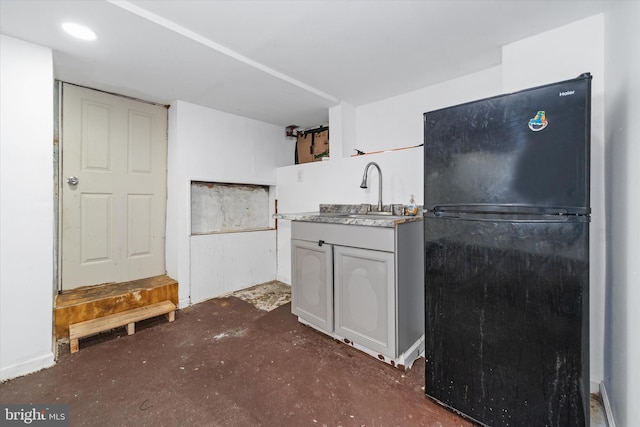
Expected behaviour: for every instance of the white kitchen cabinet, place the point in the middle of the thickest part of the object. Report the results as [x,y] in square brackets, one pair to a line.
[312,272]
[365,298]
[362,285]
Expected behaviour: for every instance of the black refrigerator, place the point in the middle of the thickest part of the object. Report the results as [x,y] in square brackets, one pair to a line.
[506,198]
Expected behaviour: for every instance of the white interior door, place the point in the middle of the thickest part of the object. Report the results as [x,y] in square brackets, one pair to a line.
[114,161]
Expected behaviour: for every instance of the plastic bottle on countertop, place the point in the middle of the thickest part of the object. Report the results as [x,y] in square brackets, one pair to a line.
[412,209]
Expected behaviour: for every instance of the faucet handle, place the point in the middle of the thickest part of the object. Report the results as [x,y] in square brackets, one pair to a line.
[365,207]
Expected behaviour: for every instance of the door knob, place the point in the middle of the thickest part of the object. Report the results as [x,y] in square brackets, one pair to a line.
[73,180]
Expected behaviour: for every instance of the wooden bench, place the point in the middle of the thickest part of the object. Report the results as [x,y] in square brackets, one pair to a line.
[128,318]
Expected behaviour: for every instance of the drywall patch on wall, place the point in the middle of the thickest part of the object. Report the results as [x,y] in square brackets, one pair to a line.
[226,208]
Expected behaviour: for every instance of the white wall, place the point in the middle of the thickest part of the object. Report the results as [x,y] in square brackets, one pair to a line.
[562,54]
[398,121]
[343,130]
[382,125]
[622,337]
[209,145]
[26,208]
[227,262]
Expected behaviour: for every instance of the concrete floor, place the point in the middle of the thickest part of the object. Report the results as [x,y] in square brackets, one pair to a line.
[225,362]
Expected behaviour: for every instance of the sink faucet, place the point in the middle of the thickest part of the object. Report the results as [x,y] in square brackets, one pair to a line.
[364,182]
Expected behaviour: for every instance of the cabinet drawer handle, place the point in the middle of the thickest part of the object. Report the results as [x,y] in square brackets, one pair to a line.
[320,243]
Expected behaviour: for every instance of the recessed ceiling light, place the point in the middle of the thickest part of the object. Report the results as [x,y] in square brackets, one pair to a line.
[79,31]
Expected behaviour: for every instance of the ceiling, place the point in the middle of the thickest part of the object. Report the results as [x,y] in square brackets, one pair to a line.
[281,62]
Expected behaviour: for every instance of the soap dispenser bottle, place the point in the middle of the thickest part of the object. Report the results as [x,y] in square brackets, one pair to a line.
[411,209]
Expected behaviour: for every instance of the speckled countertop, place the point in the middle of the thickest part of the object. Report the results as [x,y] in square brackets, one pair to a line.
[350,215]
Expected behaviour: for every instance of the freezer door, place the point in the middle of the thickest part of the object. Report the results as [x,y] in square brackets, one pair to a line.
[507,339]
[525,148]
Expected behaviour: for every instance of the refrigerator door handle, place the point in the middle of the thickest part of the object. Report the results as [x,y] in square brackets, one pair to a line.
[514,209]
[506,217]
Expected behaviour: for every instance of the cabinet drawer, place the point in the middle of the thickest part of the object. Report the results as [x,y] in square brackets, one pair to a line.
[376,238]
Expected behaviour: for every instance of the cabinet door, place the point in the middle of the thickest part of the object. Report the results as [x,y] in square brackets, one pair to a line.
[312,283]
[365,298]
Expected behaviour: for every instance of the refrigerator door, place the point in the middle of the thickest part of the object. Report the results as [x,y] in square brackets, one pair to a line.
[524,148]
[507,320]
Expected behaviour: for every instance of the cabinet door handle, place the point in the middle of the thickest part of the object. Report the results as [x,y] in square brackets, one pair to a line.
[320,243]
